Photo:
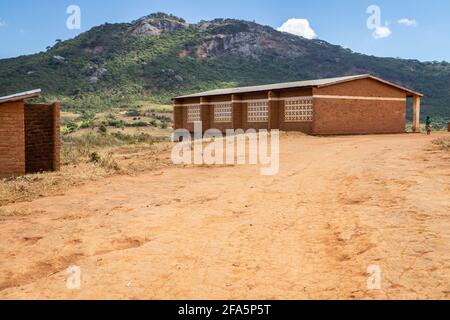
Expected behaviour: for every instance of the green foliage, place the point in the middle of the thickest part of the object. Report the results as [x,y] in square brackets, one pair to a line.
[136,138]
[87,124]
[119,124]
[102,129]
[137,124]
[95,157]
[68,126]
[108,67]
[133,113]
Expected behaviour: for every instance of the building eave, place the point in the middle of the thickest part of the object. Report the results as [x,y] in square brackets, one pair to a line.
[21,96]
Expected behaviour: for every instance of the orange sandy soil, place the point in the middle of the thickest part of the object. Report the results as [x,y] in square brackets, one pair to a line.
[338,205]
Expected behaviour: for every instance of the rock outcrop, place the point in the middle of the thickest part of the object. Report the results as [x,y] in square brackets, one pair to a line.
[156,24]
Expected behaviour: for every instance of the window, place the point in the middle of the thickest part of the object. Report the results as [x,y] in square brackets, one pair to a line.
[223,113]
[258,111]
[193,114]
[298,110]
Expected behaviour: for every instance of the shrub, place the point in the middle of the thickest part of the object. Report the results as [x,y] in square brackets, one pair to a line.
[107,162]
[95,157]
[137,124]
[163,118]
[119,124]
[102,129]
[87,124]
[443,143]
[132,113]
[68,126]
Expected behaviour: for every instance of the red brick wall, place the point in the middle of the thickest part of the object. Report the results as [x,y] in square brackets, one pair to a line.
[246,125]
[178,117]
[222,126]
[12,141]
[356,116]
[362,87]
[305,127]
[42,137]
[183,113]
[237,112]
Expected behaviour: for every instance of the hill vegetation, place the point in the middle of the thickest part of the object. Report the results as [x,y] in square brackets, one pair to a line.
[150,60]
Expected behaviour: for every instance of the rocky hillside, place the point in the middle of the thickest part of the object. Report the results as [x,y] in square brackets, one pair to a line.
[160,55]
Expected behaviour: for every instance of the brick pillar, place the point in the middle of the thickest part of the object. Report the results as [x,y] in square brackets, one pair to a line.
[177,115]
[12,139]
[416,114]
[274,111]
[205,111]
[236,107]
[56,136]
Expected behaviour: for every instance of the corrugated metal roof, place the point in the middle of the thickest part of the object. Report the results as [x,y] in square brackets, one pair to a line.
[288,85]
[21,96]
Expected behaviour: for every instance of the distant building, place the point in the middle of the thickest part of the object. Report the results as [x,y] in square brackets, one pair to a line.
[29,135]
[361,104]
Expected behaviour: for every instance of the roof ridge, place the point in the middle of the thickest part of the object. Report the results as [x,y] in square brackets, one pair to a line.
[286,85]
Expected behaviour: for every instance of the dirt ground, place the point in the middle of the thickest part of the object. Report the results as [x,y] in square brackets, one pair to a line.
[338,205]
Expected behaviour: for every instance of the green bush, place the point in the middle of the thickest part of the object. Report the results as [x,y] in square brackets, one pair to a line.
[102,129]
[137,124]
[115,123]
[87,124]
[95,157]
[133,113]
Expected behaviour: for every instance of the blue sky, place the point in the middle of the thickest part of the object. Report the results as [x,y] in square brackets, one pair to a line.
[29,26]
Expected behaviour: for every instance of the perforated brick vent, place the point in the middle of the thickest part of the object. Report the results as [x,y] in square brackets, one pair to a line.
[299,110]
[223,112]
[258,111]
[193,114]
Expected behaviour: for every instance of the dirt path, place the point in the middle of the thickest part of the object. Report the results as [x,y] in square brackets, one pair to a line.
[337,206]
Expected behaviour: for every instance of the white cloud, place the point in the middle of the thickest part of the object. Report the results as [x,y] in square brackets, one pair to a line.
[299,27]
[2,23]
[382,32]
[407,22]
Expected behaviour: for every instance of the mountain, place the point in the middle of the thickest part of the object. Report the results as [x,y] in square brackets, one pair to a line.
[160,55]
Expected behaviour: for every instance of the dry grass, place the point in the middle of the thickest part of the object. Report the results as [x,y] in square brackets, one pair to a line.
[113,157]
[15,213]
[443,143]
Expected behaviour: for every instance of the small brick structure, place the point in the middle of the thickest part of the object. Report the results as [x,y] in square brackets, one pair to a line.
[29,136]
